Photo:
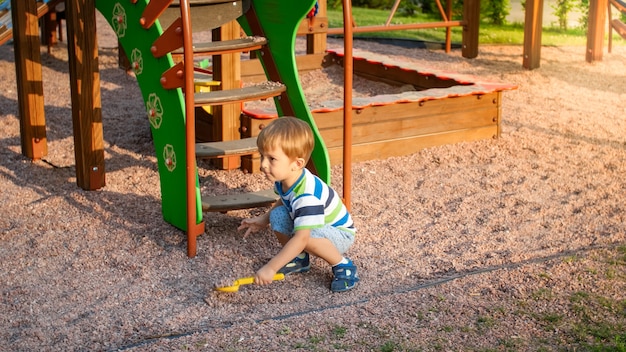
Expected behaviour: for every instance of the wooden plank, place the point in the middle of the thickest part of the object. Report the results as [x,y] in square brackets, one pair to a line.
[29,79]
[239,201]
[370,115]
[256,92]
[398,76]
[225,46]
[532,34]
[85,92]
[406,128]
[382,149]
[400,147]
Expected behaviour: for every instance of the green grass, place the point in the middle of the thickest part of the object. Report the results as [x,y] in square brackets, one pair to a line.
[511,33]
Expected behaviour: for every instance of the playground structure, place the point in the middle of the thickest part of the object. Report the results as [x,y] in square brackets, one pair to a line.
[163,81]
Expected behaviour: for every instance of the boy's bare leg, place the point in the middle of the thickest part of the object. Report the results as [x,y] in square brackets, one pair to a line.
[319,247]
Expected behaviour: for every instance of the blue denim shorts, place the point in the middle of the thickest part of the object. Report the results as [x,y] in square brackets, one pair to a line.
[281,222]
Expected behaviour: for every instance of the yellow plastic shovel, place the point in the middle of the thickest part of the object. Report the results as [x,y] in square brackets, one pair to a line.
[245,281]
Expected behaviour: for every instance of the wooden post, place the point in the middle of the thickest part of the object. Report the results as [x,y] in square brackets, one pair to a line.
[29,78]
[227,70]
[316,43]
[49,29]
[471,19]
[532,34]
[85,87]
[595,33]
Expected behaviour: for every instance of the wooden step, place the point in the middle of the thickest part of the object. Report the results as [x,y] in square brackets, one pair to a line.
[260,91]
[619,27]
[239,201]
[222,149]
[206,14]
[171,41]
[202,78]
[226,46]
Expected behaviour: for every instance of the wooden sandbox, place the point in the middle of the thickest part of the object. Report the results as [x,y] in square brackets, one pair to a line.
[444,108]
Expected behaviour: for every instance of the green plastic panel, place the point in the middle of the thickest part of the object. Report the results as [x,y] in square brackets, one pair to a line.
[280,20]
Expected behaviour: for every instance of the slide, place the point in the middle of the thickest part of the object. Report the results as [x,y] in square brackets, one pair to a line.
[165,109]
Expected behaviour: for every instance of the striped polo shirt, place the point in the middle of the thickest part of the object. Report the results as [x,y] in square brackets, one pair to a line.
[312,204]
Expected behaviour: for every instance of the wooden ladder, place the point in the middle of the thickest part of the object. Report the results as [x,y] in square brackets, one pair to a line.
[177,40]
[615,23]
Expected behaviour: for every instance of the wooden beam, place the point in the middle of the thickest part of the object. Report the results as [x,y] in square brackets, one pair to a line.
[532,34]
[85,92]
[595,33]
[316,42]
[29,78]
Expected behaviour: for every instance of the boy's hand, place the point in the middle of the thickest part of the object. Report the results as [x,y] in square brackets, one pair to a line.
[264,276]
[253,225]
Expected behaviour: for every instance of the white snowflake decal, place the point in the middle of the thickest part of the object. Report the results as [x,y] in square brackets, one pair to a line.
[155,110]
[170,157]
[137,61]
[118,22]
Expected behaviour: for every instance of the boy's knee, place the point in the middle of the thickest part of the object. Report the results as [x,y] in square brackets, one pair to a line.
[280,221]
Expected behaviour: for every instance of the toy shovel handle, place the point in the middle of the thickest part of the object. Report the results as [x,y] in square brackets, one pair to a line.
[250,279]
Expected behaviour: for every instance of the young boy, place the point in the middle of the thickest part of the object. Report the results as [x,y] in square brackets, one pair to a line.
[309,217]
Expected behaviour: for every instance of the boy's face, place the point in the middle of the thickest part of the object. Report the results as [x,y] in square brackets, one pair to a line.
[278,167]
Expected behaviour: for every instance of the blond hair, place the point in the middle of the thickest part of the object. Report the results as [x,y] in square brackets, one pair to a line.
[292,135]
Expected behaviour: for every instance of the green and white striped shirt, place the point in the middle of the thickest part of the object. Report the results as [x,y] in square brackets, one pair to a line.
[312,204]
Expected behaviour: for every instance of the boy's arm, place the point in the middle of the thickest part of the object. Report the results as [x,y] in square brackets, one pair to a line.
[290,250]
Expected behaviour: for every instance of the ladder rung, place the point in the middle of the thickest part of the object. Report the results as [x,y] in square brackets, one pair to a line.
[202,78]
[200,2]
[226,46]
[239,201]
[619,27]
[226,148]
[260,91]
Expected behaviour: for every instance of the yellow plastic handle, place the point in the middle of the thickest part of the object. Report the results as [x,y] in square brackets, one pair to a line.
[250,279]
[245,281]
